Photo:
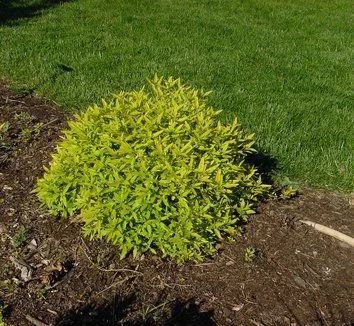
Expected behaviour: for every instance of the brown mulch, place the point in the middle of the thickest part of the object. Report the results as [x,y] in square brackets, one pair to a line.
[50,273]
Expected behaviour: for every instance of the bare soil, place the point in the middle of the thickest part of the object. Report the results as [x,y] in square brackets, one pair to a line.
[51,275]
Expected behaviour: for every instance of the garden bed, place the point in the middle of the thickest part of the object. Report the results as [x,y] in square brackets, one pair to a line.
[50,273]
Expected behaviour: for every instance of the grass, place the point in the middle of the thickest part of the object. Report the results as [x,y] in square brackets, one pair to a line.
[283,67]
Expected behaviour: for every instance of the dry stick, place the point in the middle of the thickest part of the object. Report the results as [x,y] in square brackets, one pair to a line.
[228,257]
[35,321]
[119,270]
[50,122]
[12,100]
[52,312]
[204,264]
[49,287]
[108,270]
[333,233]
[115,284]
[256,323]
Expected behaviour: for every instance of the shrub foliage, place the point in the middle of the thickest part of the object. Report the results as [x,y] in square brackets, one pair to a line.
[154,171]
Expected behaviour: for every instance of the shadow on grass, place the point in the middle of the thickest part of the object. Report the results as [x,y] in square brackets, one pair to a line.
[13,10]
[266,165]
[118,311]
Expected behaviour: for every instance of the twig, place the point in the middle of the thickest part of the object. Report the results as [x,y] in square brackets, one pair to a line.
[333,233]
[52,312]
[49,287]
[108,270]
[170,285]
[35,321]
[11,100]
[248,301]
[204,264]
[119,270]
[114,284]
[50,122]
[228,258]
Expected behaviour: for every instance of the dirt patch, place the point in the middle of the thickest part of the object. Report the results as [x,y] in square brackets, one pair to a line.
[291,274]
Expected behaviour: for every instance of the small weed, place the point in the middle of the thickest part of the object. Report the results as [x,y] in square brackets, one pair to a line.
[29,130]
[250,253]
[19,237]
[7,286]
[147,310]
[98,263]
[41,294]
[4,127]
[288,192]
[286,188]
[25,120]
[37,128]
[23,117]
[2,307]
[25,134]
[181,280]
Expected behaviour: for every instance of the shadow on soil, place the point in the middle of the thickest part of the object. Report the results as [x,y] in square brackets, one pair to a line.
[176,313]
[12,10]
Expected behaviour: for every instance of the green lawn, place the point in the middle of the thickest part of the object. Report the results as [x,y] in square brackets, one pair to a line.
[283,67]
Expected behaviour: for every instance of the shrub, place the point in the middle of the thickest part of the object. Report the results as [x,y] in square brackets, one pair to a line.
[154,171]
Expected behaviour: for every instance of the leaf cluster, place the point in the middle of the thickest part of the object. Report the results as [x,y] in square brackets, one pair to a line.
[19,238]
[154,170]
